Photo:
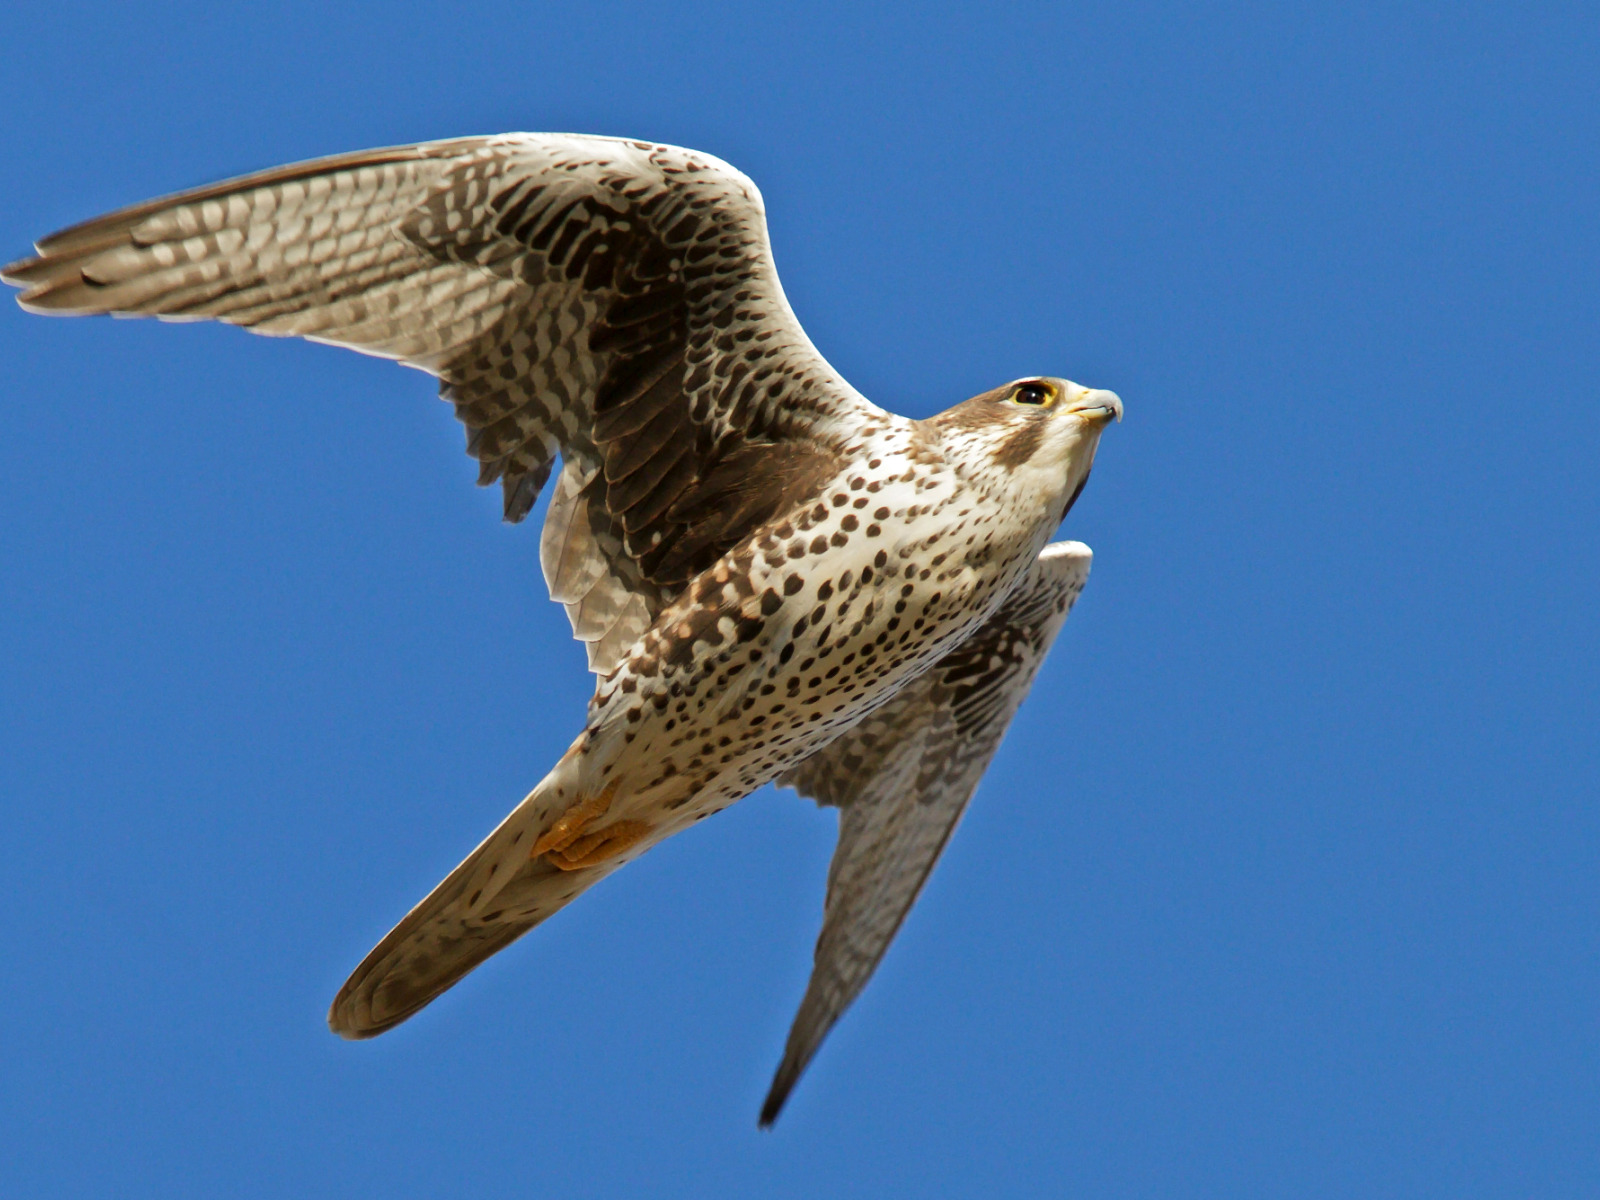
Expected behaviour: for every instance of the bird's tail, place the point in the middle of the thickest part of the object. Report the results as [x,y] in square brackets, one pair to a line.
[495,896]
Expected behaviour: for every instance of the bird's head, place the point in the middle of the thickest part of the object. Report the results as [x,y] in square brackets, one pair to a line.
[1033,439]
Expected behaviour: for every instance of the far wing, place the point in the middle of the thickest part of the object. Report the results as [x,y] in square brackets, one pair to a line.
[901,780]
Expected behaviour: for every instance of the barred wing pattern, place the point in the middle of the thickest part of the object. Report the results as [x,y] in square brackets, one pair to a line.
[901,780]
[611,301]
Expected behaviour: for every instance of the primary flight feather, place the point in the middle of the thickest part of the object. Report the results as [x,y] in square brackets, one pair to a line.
[774,578]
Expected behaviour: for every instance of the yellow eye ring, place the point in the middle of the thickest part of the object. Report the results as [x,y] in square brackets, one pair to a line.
[1034,394]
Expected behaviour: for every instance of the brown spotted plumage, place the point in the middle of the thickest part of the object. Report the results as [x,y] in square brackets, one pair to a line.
[774,578]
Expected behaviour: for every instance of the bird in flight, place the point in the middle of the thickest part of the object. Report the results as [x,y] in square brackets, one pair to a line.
[775,579]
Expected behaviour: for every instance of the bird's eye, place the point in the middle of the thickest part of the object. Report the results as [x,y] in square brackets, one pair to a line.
[1032,393]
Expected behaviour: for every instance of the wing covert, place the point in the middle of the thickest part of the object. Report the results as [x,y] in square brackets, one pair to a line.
[901,780]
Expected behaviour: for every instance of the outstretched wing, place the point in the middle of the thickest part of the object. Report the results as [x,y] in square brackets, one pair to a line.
[611,301]
[901,780]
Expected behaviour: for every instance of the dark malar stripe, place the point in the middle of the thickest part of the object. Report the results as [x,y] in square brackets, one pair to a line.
[1021,445]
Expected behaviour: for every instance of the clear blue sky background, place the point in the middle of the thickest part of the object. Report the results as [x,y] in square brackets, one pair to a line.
[1284,884]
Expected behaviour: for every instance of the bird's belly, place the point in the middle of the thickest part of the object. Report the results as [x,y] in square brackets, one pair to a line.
[779,649]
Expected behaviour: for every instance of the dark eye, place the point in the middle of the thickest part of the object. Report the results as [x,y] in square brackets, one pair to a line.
[1031,393]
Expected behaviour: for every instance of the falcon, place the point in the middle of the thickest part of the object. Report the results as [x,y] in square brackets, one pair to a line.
[774,579]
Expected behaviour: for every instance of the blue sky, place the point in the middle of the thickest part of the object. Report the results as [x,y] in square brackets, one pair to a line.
[1284,883]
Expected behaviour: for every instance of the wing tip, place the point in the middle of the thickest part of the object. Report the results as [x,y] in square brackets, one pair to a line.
[777,1095]
[804,1042]
[38,303]
[14,272]
[24,274]
[51,286]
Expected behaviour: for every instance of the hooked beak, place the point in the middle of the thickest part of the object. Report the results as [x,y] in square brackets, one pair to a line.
[1095,405]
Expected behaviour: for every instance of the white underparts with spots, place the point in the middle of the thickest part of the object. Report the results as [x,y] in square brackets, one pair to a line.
[797,635]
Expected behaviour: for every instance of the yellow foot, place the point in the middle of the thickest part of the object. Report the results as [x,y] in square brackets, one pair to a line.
[569,848]
[595,848]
